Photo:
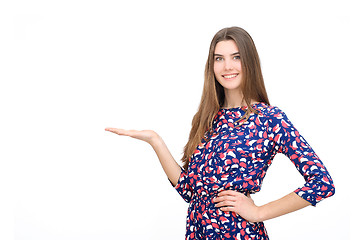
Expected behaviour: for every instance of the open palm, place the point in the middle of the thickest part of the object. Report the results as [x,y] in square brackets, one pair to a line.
[144,135]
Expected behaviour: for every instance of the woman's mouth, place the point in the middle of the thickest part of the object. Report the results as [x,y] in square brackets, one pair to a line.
[230,76]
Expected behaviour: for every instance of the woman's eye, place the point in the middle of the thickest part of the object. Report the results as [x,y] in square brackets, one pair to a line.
[237,57]
[218,58]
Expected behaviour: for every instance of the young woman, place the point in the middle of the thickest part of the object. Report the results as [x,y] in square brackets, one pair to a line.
[234,137]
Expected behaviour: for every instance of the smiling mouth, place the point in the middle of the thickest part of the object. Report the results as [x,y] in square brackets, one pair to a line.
[230,76]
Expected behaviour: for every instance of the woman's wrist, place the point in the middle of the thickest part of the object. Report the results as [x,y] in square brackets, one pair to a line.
[261,216]
[155,140]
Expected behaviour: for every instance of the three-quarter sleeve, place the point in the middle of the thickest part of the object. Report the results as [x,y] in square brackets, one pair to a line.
[183,186]
[319,184]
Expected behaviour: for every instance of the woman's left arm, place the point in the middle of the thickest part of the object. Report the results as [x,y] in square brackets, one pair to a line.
[318,186]
[318,182]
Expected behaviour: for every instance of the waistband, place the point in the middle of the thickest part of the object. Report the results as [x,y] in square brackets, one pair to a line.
[203,194]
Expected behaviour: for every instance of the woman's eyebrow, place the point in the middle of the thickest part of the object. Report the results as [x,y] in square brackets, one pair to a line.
[236,53]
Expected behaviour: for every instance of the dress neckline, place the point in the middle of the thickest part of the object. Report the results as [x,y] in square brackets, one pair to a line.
[242,107]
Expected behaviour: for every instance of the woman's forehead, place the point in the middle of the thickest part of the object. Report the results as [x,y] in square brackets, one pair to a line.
[226,47]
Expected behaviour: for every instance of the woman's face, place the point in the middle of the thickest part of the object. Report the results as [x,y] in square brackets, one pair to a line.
[227,65]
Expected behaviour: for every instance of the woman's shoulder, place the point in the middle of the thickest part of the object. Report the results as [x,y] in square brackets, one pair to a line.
[269,111]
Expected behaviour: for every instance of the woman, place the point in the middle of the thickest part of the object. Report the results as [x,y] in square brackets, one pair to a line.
[234,137]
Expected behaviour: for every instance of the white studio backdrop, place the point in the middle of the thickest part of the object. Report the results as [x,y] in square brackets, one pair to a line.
[71,68]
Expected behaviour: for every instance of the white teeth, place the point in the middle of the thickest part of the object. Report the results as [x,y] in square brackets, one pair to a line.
[230,76]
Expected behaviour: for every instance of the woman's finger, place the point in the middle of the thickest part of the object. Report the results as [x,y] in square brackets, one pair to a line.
[225,198]
[229,192]
[144,135]
[116,130]
[130,133]
[225,203]
[227,209]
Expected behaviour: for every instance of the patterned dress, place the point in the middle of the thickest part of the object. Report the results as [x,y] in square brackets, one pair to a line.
[237,158]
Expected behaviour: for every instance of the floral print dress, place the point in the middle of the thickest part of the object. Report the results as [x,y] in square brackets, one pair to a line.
[237,158]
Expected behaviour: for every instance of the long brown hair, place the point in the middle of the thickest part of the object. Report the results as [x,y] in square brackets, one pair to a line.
[213,96]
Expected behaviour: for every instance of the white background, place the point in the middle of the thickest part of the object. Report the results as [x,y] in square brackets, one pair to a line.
[70,68]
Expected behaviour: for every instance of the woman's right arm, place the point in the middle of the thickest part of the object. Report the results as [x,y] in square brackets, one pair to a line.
[167,161]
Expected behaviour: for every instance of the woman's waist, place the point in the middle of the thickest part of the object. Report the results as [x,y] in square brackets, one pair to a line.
[207,193]
[205,187]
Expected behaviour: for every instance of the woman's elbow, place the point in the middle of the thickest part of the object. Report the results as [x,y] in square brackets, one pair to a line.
[327,188]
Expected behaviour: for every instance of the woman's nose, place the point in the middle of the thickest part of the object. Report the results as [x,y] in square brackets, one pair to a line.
[228,65]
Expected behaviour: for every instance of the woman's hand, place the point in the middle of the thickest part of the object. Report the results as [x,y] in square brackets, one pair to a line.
[145,135]
[170,166]
[239,203]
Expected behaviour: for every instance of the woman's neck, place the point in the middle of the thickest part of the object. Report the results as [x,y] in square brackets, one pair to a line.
[233,99]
